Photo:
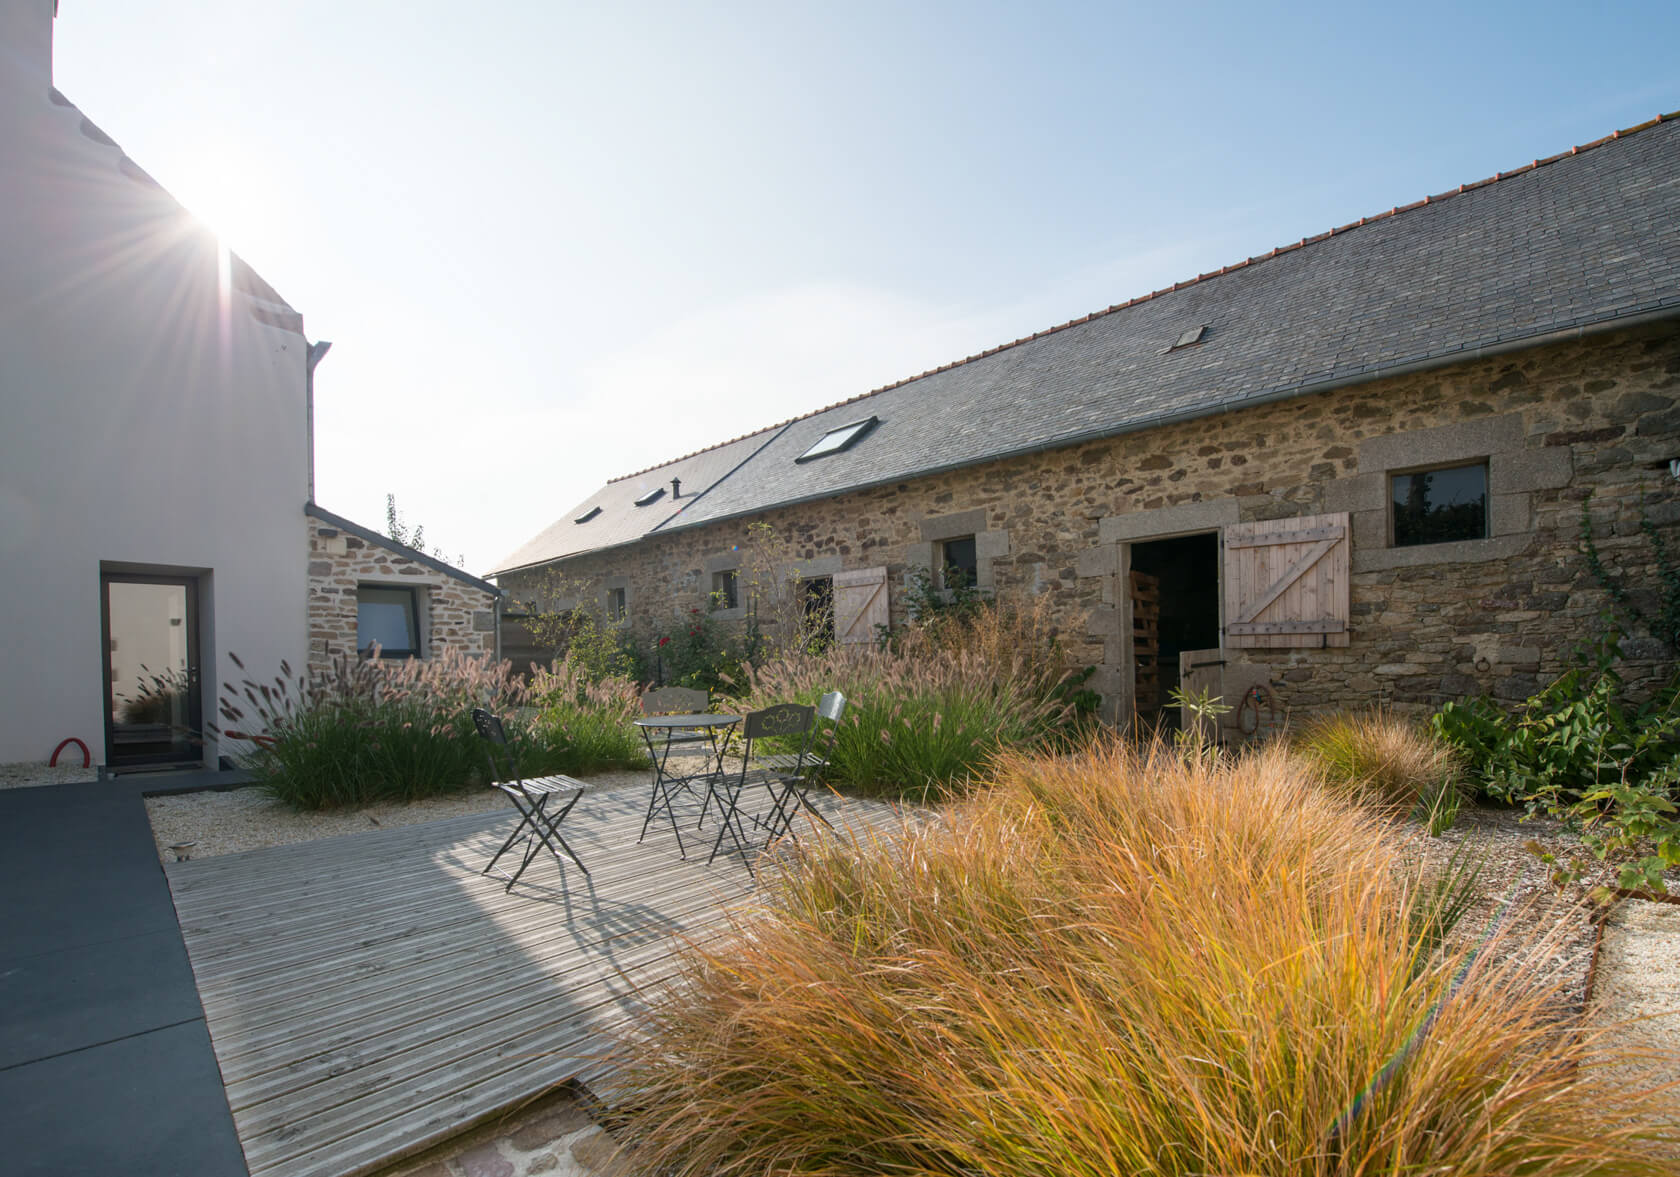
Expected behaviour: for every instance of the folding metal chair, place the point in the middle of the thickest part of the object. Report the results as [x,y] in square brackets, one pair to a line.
[801,775]
[786,720]
[530,798]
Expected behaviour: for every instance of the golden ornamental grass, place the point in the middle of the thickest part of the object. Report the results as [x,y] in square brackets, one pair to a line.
[1380,759]
[1116,963]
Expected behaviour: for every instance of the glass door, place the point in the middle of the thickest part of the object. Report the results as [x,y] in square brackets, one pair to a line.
[152,707]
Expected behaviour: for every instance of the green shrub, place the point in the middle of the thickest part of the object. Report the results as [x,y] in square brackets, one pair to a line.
[1116,963]
[1579,751]
[694,652]
[597,653]
[1381,759]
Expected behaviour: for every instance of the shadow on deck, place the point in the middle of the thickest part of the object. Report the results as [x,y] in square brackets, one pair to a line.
[372,994]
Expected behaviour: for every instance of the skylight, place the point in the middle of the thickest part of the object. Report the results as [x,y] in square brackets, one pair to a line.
[1194,335]
[839,439]
[652,496]
[587,515]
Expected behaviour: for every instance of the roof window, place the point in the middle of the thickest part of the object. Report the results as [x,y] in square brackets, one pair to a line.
[839,439]
[587,515]
[652,497]
[1193,336]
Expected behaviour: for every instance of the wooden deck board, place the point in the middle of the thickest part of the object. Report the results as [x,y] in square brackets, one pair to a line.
[371,994]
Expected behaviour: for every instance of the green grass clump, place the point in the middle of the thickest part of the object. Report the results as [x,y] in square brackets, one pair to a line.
[583,722]
[1381,759]
[926,713]
[1112,963]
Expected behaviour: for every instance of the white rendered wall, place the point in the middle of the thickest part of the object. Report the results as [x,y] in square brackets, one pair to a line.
[147,419]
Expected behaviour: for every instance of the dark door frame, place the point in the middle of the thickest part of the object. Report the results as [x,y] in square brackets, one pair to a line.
[195,700]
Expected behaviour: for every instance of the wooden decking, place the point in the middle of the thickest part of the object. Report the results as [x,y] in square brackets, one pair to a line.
[368,995]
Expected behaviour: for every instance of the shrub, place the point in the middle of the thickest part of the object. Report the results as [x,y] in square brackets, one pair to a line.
[1116,963]
[693,652]
[1378,758]
[1579,751]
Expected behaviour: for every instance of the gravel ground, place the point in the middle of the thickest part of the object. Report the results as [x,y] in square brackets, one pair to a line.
[246,819]
[32,774]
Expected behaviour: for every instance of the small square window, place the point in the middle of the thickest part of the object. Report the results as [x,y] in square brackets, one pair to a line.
[1440,506]
[725,589]
[387,616]
[618,605]
[959,564]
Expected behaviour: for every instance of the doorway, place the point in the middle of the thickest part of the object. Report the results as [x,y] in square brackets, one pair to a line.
[153,712]
[817,597]
[1175,607]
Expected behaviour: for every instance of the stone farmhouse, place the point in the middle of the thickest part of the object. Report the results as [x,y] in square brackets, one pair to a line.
[156,459]
[1351,469]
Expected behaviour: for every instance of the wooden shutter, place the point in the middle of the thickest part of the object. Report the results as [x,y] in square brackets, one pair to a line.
[1286,582]
[860,604]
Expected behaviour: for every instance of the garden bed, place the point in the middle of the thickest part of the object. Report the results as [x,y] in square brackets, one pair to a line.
[248,819]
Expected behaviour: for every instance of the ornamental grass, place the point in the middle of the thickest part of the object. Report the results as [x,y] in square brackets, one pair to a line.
[1384,760]
[362,730]
[926,712]
[1116,963]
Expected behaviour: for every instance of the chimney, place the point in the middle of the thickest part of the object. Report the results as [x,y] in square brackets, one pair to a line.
[26,36]
[676,488]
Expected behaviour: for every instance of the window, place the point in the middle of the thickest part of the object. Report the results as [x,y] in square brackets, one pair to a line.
[1439,506]
[652,497]
[839,439]
[587,515]
[725,589]
[959,563]
[618,605]
[389,617]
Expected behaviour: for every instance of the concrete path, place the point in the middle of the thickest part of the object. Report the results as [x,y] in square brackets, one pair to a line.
[105,1061]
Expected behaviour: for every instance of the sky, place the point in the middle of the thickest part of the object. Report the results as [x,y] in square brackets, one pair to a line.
[553,243]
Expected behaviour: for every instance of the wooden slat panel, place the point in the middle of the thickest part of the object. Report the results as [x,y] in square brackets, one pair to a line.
[371,994]
[1286,582]
[860,604]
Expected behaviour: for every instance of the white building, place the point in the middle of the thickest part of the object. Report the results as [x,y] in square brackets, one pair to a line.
[154,442]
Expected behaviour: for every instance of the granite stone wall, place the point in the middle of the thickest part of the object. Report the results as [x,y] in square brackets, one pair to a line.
[1581,425]
[454,615]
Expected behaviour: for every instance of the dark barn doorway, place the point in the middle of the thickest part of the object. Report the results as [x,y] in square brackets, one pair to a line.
[1175,607]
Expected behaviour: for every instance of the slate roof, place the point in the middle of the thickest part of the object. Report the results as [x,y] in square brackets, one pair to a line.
[1587,238]
[620,521]
[369,535]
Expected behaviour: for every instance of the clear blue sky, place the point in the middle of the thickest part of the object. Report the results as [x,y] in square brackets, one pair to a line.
[553,243]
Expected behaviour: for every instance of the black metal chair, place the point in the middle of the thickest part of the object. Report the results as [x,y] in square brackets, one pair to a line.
[680,701]
[530,797]
[801,775]
[786,721]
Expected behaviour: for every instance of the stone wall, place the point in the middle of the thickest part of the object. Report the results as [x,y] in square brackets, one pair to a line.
[1592,422]
[454,615]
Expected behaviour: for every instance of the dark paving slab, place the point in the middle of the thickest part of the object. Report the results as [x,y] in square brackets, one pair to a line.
[133,1107]
[78,873]
[72,999]
[105,1061]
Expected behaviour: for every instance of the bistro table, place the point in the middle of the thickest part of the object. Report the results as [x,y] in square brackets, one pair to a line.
[707,735]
